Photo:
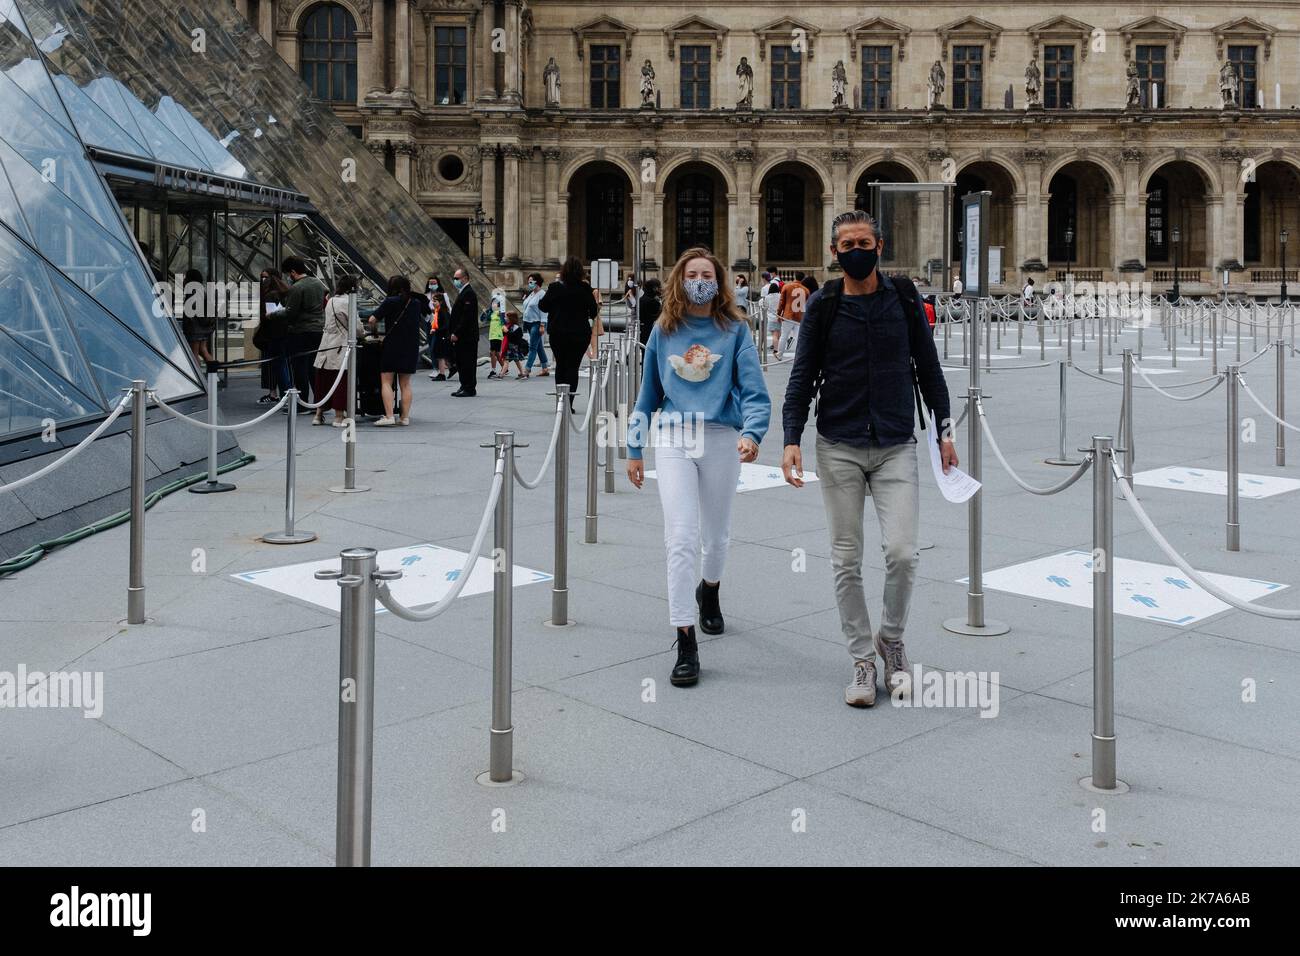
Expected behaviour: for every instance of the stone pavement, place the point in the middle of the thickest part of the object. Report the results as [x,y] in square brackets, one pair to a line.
[225,702]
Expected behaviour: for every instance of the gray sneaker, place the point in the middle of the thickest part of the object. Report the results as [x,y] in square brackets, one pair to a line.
[862,691]
[897,669]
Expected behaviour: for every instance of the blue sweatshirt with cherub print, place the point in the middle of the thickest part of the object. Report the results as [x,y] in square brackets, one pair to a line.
[701,373]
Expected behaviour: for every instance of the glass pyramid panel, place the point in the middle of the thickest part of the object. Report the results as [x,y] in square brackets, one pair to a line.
[116,356]
[101,264]
[22,64]
[32,317]
[11,214]
[55,154]
[30,393]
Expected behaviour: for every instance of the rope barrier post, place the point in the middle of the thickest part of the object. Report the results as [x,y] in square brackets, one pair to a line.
[1234,527]
[212,486]
[1281,402]
[349,485]
[1042,342]
[975,624]
[560,581]
[289,535]
[1214,341]
[1126,453]
[608,369]
[135,579]
[356,581]
[1103,622]
[501,735]
[1237,324]
[1173,340]
[1061,458]
[593,398]
[623,379]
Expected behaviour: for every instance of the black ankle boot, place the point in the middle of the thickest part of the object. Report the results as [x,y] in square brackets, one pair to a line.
[687,669]
[706,597]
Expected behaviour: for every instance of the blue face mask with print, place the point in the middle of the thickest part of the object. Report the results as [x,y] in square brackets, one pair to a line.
[701,291]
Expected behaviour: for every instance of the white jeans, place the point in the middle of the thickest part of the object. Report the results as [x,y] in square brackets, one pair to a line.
[696,488]
[789,336]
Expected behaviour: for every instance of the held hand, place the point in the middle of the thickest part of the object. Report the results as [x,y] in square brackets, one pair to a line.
[792,465]
[748,450]
[591,352]
[635,471]
[948,454]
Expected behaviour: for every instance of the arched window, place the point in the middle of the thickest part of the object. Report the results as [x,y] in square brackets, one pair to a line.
[784,219]
[327,53]
[1062,212]
[606,198]
[694,212]
[1158,219]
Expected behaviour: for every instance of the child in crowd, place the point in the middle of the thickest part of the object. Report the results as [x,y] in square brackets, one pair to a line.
[495,334]
[514,347]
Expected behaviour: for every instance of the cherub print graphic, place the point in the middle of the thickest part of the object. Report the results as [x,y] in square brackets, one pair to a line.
[696,364]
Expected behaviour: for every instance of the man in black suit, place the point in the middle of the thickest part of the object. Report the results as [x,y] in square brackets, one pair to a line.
[464,335]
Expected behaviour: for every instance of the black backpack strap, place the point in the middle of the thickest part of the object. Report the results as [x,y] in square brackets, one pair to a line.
[827,305]
[911,298]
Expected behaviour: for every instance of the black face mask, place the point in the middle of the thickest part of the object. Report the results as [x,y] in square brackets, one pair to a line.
[858,263]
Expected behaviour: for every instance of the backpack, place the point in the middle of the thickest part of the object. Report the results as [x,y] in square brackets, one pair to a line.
[828,305]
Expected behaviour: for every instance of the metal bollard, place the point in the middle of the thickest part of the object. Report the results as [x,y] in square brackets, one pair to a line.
[1060,458]
[1103,622]
[560,582]
[1126,453]
[135,573]
[1281,402]
[1234,526]
[621,371]
[212,486]
[1214,341]
[289,535]
[610,422]
[356,581]
[501,735]
[349,485]
[593,427]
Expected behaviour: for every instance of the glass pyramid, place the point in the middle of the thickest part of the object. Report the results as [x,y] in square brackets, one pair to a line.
[78,317]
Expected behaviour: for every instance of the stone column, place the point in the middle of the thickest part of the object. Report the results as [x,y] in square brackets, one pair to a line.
[402,45]
[1013,260]
[266,21]
[553,240]
[744,214]
[1031,240]
[1231,243]
[1118,226]
[404,154]
[1132,248]
[650,203]
[378,82]
[839,185]
[510,203]
[1219,242]
[821,239]
[488,159]
[514,50]
[485,67]
[427,85]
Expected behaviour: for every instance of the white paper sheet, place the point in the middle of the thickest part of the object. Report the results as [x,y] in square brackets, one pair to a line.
[956,486]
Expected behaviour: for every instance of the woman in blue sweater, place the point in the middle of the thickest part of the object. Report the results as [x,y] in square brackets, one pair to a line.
[704,390]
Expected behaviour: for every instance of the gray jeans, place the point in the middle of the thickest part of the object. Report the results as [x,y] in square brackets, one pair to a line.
[847,475]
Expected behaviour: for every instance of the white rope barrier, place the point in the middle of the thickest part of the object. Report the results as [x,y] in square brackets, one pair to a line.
[560,415]
[1260,354]
[591,394]
[1262,407]
[72,452]
[343,370]
[385,596]
[1178,398]
[179,416]
[1032,489]
[1281,614]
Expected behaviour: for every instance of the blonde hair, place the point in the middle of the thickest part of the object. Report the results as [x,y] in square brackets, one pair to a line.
[723,307]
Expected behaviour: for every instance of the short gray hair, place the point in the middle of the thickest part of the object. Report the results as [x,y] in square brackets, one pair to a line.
[854,216]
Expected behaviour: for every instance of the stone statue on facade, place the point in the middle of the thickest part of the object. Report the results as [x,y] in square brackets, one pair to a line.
[1033,84]
[745,75]
[424,168]
[1228,85]
[839,85]
[935,85]
[647,84]
[551,76]
[1133,87]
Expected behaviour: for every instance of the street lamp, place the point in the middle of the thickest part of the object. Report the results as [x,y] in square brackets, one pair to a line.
[1176,236]
[1069,254]
[643,239]
[749,256]
[483,229]
[1283,237]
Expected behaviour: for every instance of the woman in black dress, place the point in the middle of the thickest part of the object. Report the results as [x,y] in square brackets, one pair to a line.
[402,313]
[572,322]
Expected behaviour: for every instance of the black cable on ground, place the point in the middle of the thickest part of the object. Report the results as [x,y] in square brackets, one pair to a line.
[26,559]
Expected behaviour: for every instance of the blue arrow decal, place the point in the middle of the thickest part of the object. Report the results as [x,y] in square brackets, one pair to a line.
[453,574]
[1178,583]
[1146,601]
[1196,474]
[409,560]
[1177,481]
[1059,581]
